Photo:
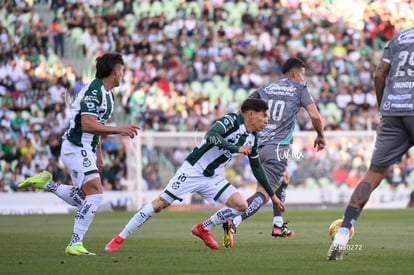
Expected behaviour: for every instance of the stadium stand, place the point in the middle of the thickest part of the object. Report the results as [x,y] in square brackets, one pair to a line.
[187,60]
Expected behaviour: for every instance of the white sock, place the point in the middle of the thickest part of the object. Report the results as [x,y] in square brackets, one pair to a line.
[137,220]
[84,217]
[342,236]
[221,216]
[237,221]
[68,193]
[278,221]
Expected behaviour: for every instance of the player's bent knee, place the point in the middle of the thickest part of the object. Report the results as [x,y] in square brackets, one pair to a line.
[159,204]
[91,187]
[242,207]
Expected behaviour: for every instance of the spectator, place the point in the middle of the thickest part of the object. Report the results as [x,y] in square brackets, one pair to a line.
[58,30]
[331,47]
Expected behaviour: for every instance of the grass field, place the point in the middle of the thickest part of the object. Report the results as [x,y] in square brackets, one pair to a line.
[383,244]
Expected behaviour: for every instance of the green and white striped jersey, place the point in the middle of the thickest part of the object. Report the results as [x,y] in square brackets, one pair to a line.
[94,100]
[211,155]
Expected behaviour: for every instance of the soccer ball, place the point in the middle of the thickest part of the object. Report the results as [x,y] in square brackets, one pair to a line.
[334,227]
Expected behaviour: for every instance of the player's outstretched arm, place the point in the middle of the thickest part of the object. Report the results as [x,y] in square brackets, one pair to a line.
[214,136]
[320,141]
[90,125]
[279,204]
[380,79]
[261,177]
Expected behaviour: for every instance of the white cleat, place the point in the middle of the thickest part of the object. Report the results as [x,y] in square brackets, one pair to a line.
[336,252]
[337,249]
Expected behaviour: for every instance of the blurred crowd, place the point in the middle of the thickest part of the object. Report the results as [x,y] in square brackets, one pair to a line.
[189,62]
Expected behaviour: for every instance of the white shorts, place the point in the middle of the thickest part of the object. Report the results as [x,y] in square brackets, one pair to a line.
[80,162]
[187,180]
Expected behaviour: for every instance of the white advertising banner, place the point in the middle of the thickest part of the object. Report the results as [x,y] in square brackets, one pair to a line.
[21,203]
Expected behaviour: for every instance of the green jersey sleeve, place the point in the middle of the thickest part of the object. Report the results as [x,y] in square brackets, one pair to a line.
[215,136]
[260,175]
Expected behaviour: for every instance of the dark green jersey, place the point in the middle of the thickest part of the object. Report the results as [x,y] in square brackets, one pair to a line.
[91,100]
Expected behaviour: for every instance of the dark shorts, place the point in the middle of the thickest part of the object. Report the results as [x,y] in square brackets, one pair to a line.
[274,160]
[394,138]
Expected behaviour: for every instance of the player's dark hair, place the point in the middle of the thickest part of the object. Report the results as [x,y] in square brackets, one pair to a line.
[106,63]
[254,104]
[292,64]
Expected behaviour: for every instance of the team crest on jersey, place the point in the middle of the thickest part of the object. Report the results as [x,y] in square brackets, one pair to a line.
[181,179]
[175,185]
[86,162]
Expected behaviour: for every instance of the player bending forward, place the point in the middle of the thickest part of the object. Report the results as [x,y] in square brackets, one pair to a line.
[200,173]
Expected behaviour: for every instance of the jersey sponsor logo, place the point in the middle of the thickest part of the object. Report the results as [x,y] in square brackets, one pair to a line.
[403,85]
[402,105]
[90,98]
[399,97]
[406,37]
[388,105]
[280,90]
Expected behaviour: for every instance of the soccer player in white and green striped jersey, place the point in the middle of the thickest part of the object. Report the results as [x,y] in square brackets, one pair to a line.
[231,135]
[81,150]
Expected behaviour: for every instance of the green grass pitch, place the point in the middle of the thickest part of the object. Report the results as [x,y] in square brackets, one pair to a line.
[383,244]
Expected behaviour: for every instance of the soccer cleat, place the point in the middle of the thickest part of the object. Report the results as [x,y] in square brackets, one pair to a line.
[336,252]
[229,230]
[114,244]
[78,250]
[337,249]
[38,181]
[282,231]
[205,235]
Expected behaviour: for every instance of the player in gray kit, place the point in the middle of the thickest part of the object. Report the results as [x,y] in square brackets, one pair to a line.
[285,97]
[394,86]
